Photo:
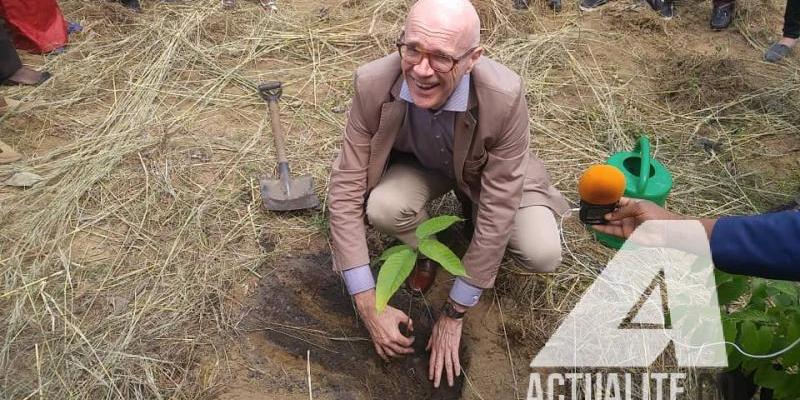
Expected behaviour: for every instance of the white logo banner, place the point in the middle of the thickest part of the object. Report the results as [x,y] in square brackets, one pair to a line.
[599,332]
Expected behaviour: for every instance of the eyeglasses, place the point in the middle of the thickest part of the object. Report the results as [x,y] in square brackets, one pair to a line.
[441,63]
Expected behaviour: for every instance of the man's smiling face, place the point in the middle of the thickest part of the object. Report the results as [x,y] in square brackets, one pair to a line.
[441,27]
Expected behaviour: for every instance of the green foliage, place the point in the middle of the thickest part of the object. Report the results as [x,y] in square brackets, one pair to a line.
[393,272]
[435,225]
[766,320]
[394,249]
[437,251]
[398,261]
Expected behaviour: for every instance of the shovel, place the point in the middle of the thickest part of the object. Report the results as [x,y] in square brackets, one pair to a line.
[285,193]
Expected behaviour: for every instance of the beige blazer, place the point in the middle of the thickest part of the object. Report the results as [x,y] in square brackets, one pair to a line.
[491,157]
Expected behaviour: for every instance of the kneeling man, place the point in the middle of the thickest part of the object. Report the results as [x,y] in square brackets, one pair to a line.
[437,116]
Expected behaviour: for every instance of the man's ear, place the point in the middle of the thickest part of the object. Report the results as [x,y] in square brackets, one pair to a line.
[473,58]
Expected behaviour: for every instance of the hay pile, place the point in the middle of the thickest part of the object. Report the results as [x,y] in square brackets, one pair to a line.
[125,269]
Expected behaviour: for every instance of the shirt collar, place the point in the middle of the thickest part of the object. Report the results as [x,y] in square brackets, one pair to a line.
[456,102]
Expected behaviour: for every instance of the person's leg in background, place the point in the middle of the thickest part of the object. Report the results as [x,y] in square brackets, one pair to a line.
[791,32]
[9,59]
[535,239]
[722,14]
[12,72]
[397,206]
[9,64]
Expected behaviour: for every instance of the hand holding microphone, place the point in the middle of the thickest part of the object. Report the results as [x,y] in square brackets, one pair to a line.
[600,189]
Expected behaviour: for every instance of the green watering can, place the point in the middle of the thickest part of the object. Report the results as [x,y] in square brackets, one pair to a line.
[645,178]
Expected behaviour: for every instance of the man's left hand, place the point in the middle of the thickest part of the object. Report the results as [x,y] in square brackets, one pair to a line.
[444,344]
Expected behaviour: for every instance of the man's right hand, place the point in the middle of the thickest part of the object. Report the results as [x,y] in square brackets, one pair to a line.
[384,328]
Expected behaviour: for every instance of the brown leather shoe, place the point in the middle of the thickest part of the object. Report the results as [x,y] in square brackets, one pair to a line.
[422,277]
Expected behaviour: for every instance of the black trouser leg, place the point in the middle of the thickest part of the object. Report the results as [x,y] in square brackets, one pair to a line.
[791,20]
[9,60]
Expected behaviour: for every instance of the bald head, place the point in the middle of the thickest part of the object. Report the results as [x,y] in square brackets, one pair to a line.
[440,39]
[454,18]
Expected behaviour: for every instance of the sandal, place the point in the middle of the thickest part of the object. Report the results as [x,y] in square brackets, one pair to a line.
[44,77]
[777,52]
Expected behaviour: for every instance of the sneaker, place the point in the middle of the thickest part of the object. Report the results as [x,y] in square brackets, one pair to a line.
[722,15]
[663,7]
[132,4]
[520,4]
[591,5]
[777,52]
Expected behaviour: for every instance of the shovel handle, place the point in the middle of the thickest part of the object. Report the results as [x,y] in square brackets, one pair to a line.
[277,132]
[271,92]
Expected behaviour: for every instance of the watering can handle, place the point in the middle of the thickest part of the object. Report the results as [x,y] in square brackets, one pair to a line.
[644,168]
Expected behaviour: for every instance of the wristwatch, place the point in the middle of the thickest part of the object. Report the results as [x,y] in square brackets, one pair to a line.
[449,310]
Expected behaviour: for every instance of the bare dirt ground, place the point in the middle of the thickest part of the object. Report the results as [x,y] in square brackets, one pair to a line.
[142,266]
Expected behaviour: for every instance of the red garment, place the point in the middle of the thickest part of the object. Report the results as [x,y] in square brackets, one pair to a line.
[36,25]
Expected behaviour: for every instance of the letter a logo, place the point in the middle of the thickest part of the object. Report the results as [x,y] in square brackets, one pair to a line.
[594,333]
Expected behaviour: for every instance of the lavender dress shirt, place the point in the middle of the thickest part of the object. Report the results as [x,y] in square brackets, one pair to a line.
[429,138]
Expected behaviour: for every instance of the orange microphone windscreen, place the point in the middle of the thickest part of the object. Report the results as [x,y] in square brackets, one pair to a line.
[601,184]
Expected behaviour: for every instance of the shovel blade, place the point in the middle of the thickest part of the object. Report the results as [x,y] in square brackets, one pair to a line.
[300,196]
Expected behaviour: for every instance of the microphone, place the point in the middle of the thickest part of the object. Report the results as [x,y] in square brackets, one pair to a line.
[600,188]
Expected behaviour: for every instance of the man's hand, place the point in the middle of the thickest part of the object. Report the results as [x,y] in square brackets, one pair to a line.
[384,327]
[630,214]
[444,344]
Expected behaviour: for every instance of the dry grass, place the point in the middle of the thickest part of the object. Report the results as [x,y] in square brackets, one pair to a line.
[124,270]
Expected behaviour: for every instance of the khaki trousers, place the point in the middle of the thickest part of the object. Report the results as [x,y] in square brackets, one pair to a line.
[396,207]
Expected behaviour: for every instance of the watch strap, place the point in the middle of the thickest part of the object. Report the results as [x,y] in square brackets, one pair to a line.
[449,310]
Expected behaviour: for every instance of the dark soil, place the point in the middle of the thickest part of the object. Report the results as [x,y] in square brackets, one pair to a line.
[304,306]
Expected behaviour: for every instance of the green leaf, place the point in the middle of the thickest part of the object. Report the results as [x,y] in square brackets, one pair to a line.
[789,389]
[438,252]
[767,376]
[758,282]
[394,249]
[729,329]
[792,357]
[435,225]
[735,358]
[758,300]
[755,340]
[392,274]
[787,288]
[748,315]
[722,277]
[775,314]
[732,290]
[751,364]
[783,301]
